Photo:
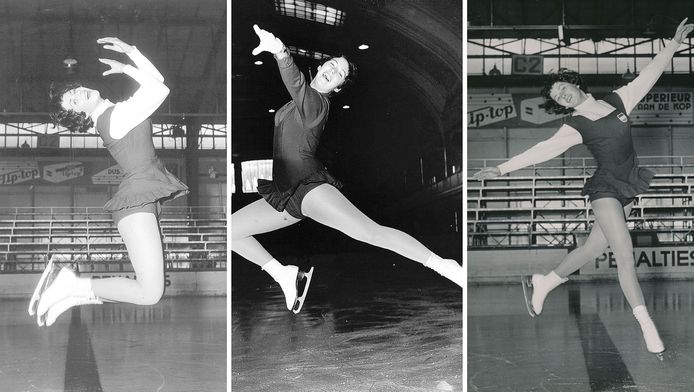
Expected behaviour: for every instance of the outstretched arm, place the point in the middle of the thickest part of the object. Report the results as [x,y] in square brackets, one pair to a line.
[148,97]
[561,141]
[311,106]
[633,92]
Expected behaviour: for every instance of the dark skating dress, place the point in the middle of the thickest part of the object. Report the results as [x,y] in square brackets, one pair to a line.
[298,127]
[146,179]
[609,140]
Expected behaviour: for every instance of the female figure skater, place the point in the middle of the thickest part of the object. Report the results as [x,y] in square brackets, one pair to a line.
[126,130]
[302,187]
[604,127]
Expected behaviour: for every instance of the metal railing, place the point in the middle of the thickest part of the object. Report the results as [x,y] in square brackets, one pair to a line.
[194,238]
[542,205]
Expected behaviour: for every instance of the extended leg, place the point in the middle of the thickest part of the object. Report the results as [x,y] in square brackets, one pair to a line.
[608,214]
[326,205]
[612,222]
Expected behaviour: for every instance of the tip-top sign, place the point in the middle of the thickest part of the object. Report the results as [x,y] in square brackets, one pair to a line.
[61,172]
[17,172]
[485,109]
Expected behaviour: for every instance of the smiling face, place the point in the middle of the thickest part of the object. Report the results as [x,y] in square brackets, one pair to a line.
[330,75]
[567,94]
[81,99]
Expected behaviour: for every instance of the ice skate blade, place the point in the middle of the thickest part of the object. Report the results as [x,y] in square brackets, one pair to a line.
[49,273]
[660,356]
[303,280]
[527,283]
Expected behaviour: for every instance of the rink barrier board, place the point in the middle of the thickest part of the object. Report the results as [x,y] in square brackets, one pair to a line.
[203,283]
[507,265]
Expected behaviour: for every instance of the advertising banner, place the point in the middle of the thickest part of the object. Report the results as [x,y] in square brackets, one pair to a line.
[487,109]
[648,260]
[61,172]
[12,173]
[110,176]
[523,110]
[664,108]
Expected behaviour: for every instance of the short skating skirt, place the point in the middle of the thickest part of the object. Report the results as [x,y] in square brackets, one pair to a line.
[150,185]
[290,200]
[624,188]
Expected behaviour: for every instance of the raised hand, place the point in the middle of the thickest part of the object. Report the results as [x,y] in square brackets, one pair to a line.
[487,173]
[683,31]
[268,42]
[116,66]
[115,44]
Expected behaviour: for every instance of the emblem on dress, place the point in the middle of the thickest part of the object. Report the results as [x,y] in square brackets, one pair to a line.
[622,117]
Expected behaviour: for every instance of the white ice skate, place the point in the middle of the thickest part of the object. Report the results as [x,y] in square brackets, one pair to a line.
[293,282]
[536,288]
[59,308]
[650,333]
[66,285]
[47,277]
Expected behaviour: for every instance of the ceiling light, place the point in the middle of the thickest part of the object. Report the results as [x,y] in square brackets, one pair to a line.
[258,62]
[271,111]
[628,75]
[70,64]
[346,107]
[363,47]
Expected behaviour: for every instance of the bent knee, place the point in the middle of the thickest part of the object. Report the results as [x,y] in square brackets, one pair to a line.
[151,296]
[151,291]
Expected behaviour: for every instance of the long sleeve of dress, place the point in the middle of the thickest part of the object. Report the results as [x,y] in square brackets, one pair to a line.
[565,137]
[311,106]
[633,92]
[144,65]
[148,97]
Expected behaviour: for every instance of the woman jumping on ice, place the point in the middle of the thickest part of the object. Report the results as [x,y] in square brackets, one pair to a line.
[301,186]
[126,130]
[604,127]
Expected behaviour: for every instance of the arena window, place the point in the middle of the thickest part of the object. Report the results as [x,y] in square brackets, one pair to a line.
[251,171]
[45,135]
[607,56]
[212,137]
[310,11]
[308,53]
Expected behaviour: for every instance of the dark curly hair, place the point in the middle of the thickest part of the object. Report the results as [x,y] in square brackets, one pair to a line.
[349,79]
[70,119]
[563,75]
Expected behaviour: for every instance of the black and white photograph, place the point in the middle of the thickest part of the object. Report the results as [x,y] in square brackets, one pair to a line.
[346,195]
[113,195]
[579,195]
